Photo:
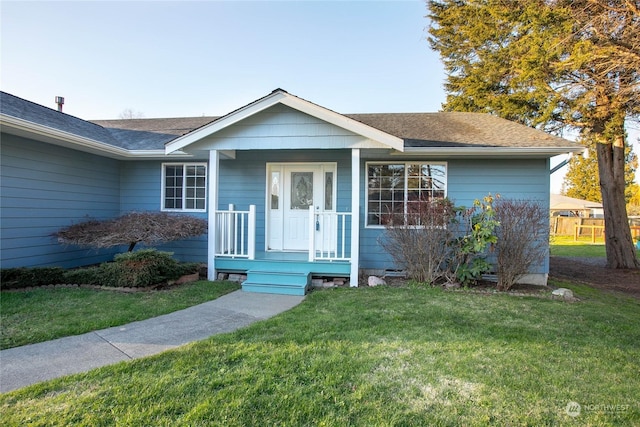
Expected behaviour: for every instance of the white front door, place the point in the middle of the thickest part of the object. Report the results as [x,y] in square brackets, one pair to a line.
[291,190]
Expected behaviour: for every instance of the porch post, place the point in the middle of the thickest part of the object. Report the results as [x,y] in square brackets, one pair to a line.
[214,166]
[355,216]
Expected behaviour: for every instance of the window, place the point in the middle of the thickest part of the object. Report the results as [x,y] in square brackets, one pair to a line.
[184,187]
[396,189]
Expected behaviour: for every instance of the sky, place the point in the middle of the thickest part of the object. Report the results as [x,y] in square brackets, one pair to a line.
[194,58]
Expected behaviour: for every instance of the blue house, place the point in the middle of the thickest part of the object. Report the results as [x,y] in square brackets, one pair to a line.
[291,189]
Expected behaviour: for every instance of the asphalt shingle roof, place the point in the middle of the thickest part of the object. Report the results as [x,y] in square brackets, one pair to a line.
[151,134]
[441,129]
[453,129]
[14,106]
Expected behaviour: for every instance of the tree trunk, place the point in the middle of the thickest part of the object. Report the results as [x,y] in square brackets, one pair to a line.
[618,242]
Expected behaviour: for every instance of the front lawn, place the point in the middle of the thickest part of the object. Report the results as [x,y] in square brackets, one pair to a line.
[43,314]
[567,247]
[375,357]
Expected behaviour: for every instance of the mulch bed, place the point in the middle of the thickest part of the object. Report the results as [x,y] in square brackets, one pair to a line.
[593,272]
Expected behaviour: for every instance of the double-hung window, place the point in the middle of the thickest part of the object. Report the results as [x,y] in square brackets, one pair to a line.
[396,190]
[184,187]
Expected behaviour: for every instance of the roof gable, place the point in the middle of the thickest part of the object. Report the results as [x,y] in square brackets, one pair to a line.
[280,96]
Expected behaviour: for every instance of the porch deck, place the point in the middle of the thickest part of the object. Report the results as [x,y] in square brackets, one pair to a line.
[281,272]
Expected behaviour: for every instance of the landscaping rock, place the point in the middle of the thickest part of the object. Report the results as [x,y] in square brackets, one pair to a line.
[316,283]
[338,281]
[223,276]
[375,281]
[451,285]
[563,293]
[237,278]
[188,278]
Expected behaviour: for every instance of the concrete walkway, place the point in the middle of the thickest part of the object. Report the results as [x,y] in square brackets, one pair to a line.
[30,364]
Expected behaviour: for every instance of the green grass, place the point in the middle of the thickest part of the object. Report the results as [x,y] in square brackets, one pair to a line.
[375,357]
[43,314]
[567,247]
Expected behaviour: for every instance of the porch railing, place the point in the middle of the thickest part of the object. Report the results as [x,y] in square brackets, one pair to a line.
[236,233]
[330,244]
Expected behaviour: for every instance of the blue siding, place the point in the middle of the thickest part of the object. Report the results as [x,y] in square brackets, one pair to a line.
[468,180]
[45,188]
[141,183]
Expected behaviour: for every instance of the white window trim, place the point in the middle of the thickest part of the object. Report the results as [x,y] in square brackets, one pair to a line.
[399,162]
[184,193]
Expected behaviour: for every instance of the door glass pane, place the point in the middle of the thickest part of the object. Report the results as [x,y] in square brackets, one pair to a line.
[301,190]
[275,190]
[328,191]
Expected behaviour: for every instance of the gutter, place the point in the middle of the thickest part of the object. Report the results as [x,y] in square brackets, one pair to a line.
[15,126]
[489,151]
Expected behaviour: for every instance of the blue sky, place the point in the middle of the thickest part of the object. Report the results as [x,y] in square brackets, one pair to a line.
[168,59]
[174,59]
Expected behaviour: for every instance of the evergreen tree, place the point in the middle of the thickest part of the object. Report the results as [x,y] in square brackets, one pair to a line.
[552,65]
[582,180]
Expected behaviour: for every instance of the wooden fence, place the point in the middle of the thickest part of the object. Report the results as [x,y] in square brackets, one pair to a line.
[566,226]
[586,227]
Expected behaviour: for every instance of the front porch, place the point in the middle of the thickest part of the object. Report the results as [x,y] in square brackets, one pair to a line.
[282,272]
[297,219]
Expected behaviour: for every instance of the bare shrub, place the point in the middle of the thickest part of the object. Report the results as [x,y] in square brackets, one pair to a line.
[132,228]
[417,245]
[438,242]
[523,238]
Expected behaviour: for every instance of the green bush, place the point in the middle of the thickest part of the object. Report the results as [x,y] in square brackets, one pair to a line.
[142,268]
[83,276]
[15,278]
[139,269]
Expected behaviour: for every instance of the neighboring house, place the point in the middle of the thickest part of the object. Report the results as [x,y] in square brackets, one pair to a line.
[291,189]
[568,206]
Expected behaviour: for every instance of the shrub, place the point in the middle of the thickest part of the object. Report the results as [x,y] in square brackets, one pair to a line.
[417,245]
[15,278]
[523,238]
[140,269]
[132,269]
[83,276]
[438,242]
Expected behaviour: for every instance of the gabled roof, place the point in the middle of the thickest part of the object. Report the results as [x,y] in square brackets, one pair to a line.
[559,202]
[434,134]
[280,96]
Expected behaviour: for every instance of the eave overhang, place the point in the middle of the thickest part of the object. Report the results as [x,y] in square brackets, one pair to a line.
[488,152]
[27,129]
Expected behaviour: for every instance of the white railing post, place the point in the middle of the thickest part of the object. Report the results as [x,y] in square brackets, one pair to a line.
[312,235]
[230,232]
[251,239]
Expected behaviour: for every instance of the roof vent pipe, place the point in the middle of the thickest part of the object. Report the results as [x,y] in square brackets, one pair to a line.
[60,102]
